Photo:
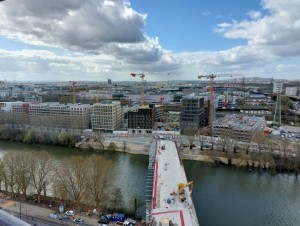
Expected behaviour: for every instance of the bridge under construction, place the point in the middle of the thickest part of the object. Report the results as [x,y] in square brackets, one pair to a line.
[168,198]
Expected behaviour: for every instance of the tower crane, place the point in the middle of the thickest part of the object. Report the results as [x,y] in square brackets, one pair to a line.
[142,76]
[211,78]
[161,109]
[73,83]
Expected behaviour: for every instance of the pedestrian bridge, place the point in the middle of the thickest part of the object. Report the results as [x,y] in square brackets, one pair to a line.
[168,198]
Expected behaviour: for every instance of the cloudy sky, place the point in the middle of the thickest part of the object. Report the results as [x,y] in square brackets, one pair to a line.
[164,39]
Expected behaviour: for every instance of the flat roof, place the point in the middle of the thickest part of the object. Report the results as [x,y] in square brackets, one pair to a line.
[168,173]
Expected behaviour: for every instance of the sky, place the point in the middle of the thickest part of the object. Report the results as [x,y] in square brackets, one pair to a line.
[94,40]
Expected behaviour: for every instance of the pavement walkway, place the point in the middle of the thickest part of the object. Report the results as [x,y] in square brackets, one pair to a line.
[40,212]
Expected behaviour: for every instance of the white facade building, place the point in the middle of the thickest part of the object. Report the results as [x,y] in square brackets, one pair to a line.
[277,87]
[107,116]
[291,91]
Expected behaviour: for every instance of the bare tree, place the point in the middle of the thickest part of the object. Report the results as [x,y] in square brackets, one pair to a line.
[202,132]
[71,178]
[99,138]
[9,171]
[224,140]
[124,146]
[22,175]
[40,170]
[98,180]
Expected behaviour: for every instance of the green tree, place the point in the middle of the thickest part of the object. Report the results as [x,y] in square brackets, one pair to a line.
[112,146]
[28,138]
[116,200]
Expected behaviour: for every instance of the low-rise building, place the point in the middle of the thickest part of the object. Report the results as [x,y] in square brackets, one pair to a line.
[239,127]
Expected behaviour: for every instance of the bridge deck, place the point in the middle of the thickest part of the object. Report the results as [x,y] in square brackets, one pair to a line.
[168,173]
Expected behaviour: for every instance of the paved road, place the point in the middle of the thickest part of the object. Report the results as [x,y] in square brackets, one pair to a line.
[40,215]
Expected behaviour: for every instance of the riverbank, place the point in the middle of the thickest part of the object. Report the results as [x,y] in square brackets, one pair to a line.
[218,157]
[128,147]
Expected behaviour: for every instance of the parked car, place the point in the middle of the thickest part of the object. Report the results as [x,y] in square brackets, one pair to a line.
[64,217]
[103,220]
[70,213]
[79,220]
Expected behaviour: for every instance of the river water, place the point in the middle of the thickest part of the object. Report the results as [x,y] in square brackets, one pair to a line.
[222,195]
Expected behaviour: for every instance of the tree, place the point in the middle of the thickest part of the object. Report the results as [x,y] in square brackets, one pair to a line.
[202,133]
[99,138]
[112,146]
[71,178]
[98,180]
[9,171]
[224,139]
[28,137]
[241,102]
[116,199]
[40,170]
[124,146]
[22,174]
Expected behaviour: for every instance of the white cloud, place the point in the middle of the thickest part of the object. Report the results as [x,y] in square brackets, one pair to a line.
[278,31]
[105,38]
[254,14]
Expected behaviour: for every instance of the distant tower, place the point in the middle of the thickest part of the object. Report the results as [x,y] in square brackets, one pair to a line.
[109,81]
[277,88]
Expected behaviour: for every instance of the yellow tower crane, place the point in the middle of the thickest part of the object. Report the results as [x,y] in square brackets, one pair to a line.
[142,76]
[211,78]
[73,90]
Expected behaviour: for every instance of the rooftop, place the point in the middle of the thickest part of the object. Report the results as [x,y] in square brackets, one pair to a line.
[239,122]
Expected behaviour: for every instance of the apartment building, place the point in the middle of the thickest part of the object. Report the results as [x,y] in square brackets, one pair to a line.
[194,113]
[239,127]
[107,116]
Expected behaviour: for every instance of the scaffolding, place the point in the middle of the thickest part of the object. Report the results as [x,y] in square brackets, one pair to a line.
[150,181]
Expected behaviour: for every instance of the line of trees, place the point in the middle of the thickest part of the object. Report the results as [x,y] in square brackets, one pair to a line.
[278,154]
[29,136]
[82,180]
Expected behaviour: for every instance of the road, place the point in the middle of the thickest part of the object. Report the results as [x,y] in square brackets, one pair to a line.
[37,215]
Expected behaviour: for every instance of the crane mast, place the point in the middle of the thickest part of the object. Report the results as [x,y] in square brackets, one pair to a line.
[142,76]
[211,78]
[73,90]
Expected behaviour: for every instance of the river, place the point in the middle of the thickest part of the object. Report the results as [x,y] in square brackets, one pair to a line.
[222,195]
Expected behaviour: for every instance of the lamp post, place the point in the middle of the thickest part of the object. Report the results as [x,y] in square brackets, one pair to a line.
[20,210]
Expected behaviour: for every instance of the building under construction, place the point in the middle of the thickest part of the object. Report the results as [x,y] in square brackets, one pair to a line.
[239,127]
[141,120]
[194,113]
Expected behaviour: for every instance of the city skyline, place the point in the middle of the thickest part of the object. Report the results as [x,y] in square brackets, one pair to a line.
[166,40]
